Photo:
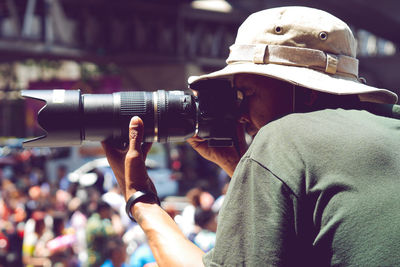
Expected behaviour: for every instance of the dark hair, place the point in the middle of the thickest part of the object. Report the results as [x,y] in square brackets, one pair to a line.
[58,223]
[102,205]
[308,100]
[202,217]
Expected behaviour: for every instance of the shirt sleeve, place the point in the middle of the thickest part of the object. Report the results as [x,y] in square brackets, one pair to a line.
[256,226]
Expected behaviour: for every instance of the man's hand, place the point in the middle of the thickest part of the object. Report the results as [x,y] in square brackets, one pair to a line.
[169,246]
[225,157]
[129,166]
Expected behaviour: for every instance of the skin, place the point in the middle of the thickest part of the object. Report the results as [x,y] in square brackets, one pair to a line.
[264,101]
[267,99]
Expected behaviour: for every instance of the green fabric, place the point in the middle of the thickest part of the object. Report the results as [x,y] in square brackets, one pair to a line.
[315,189]
[98,232]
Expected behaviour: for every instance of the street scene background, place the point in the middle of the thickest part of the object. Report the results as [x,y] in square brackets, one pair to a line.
[62,206]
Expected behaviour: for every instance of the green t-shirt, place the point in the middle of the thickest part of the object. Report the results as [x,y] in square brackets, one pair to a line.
[315,189]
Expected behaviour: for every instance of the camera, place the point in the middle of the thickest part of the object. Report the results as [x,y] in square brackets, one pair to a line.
[69,117]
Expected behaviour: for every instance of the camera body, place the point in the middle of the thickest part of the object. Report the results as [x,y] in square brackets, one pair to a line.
[69,117]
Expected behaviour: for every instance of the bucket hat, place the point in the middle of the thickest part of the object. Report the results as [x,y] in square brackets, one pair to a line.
[303,46]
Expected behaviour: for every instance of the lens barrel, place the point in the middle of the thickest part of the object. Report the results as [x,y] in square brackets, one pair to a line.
[69,117]
[168,116]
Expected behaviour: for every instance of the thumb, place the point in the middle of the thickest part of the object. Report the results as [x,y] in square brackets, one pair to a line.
[135,134]
[135,169]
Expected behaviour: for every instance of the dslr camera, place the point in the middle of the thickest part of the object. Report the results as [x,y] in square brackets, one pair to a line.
[69,117]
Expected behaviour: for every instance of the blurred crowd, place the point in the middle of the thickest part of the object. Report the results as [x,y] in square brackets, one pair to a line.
[58,223]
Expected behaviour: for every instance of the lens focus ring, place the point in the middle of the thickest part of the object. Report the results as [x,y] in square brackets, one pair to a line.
[138,104]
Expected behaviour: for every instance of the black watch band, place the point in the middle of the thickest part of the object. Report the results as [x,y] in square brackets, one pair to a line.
[136,197]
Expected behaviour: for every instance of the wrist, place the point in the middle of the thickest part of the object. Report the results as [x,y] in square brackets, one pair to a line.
[142,210]
[143,196]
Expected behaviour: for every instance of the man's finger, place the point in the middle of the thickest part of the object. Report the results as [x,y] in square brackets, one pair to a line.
[135,169]
[135,134]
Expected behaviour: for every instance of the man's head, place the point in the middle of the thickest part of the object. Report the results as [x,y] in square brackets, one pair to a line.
[300,46]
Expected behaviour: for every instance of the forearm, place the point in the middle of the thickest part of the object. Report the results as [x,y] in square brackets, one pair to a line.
[168,244]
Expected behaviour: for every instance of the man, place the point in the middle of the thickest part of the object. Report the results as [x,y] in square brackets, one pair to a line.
[319,184]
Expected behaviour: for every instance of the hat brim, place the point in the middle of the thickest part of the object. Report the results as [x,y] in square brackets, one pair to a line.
[309,78]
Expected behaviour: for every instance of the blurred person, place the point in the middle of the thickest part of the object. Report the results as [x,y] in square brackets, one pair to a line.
[45,186]
[60,246]
[206,200]
[186,219]
[116,201]
[62,177]
[206,220]
[62,199]
[10,226]
[36,176]
[220,200]
[12,217]
[98,230]
[14,236]
[5,210]
[3,249]
[35,201]
[115,253]
[318,185]
[92,198]
[197,197]
[34,251]
[78,221]
[38,199]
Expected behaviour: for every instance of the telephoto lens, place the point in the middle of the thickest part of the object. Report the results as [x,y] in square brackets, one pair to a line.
[69,117]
